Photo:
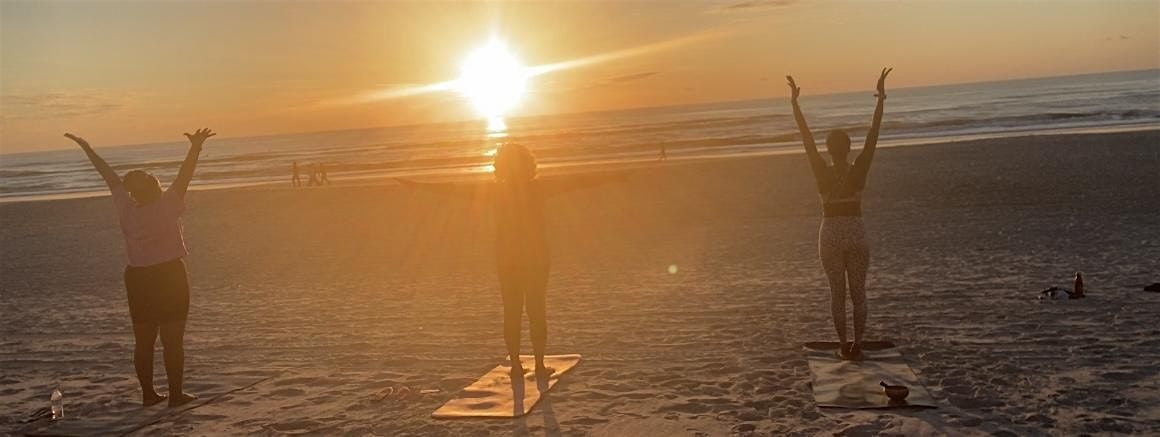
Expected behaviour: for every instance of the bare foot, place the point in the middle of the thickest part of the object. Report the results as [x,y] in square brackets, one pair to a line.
[181,399]
[856,351]
[844,350]
[542,370]
[853,352]
[152,399]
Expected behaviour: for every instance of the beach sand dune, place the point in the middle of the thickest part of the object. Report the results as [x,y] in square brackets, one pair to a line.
[688,288]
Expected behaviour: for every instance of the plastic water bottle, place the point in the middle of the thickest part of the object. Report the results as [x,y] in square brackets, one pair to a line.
[1079,294]
[57,404]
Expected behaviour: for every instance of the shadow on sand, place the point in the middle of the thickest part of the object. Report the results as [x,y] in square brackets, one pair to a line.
[520,424]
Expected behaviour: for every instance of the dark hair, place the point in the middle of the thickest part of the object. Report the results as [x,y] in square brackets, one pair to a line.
[143,186]
[838,143]
[514,162]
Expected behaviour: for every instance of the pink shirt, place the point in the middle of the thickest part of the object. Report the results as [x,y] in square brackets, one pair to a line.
[152,232]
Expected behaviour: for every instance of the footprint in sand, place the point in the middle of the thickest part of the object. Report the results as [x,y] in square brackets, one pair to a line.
[288,392]
[292,427]
[297,381]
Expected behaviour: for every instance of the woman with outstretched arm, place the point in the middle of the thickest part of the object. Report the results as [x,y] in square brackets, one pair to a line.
[842,244]
[156,281]
[522,260]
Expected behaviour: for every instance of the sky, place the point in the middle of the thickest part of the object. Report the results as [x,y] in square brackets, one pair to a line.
[139,72]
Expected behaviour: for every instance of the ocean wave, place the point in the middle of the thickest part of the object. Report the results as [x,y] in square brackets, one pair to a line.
[1029,119]
[702,129]
[24,173]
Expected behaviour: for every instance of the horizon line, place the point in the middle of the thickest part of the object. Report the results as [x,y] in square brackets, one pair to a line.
[565,114]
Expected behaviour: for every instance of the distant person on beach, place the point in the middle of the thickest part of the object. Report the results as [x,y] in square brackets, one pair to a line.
[156,280]
[842,244]
[664,152]
[313,176]
[522,260]
[296,180]
[322,179]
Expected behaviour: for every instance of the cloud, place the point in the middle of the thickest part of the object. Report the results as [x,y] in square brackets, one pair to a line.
[658,46]
[58,105]
[608,81]
[387,92]
[630,77]
[753,5]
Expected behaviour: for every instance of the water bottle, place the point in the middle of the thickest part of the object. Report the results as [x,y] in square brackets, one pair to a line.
[57,404]
[1078,286]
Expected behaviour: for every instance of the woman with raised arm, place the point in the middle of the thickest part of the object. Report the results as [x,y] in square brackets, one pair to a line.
[842,244]
[155,278]
[521,246]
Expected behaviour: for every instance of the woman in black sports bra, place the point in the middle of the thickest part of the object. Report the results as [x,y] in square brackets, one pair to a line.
[842,237]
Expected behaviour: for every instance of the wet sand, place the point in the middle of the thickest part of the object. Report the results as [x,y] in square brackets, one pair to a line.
[334,297]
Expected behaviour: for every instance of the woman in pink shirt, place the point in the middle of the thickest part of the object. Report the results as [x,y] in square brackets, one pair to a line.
[155,278]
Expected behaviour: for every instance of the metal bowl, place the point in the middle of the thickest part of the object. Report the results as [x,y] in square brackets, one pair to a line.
[896,392]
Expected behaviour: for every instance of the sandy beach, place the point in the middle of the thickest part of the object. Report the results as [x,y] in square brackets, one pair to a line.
[359,310]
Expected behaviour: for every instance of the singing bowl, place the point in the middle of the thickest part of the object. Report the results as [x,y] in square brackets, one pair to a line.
[895,392]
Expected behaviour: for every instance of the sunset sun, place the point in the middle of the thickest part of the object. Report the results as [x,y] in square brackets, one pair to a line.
[494,80]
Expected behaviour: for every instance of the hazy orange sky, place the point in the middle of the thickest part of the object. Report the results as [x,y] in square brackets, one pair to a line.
[122,73]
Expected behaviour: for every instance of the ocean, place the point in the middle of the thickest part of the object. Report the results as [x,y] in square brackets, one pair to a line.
[1105,101]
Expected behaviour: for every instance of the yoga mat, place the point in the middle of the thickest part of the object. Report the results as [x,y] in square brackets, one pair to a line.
[855,384]
[496,394]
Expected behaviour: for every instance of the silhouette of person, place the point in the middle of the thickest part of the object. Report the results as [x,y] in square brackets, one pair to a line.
[842,244]
[313,176]
[156,281]
[664,152]
[518,197]
[296,180]
[322,179]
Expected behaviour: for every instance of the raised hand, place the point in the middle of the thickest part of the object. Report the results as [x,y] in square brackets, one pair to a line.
[80,141]
[107,173]
[185,173]
[199,136]
[803,128]
[872,135]
[793,86]
[882,83]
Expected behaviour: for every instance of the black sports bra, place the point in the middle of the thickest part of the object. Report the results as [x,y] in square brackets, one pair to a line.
[841,191]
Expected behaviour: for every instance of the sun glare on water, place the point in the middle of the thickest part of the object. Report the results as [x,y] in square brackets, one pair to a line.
[494,80]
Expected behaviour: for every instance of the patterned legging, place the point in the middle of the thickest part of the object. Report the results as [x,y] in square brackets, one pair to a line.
[845,256]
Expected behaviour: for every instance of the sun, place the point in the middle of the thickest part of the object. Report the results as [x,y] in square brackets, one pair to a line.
[494,80]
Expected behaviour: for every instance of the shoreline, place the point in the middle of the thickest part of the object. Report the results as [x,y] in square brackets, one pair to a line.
[623,163]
